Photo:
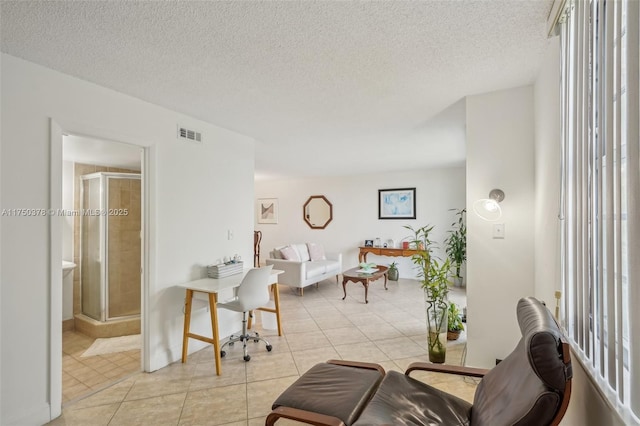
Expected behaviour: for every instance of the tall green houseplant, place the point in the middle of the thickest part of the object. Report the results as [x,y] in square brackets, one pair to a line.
[456,243]
[435,283]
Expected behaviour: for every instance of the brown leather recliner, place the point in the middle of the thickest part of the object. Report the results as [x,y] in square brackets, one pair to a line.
[531,386]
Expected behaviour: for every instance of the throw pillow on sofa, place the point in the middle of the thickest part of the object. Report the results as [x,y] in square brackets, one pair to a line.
[289,253]
[316,251]
[302,251]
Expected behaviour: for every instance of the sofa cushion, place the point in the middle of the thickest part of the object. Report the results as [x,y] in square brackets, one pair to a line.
[275,253]
[316,251]
[289,253]
[315,269]
[302,251]
[333,266]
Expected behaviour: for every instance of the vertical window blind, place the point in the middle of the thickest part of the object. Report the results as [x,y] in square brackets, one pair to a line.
[600,201]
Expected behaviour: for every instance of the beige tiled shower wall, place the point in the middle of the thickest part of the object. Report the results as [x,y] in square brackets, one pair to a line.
[126,252]
[124,247]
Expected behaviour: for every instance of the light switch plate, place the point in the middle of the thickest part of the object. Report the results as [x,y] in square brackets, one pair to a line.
[498,231]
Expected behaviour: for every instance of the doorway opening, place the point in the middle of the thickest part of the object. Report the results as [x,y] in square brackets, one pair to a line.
[103,253]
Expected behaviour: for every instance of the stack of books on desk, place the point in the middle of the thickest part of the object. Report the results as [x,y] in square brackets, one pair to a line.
[224,269]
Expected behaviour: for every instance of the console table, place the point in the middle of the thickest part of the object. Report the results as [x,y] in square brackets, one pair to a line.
[384,251]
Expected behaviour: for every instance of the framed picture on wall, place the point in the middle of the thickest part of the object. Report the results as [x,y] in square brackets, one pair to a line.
[267,210]
[399,203]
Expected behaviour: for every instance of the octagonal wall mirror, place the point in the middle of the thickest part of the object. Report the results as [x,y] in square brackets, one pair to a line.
[317,212]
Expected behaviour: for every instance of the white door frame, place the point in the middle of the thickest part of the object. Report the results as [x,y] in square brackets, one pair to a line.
[57,132]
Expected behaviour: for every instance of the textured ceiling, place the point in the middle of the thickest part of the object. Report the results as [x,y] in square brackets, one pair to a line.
[325,88]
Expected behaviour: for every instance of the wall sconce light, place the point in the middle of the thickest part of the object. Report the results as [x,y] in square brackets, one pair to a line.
[488,208]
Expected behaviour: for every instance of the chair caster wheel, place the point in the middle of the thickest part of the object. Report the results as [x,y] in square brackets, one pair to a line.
[256,340]
[269,347]
[222,354]
[247,358]
[230,343]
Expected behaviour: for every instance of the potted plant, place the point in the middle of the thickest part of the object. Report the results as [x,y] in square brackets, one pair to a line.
[435,283]
[456,244]
[454,321]
[392,273]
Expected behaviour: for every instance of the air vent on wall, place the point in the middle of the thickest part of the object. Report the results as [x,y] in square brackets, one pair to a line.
[189,135]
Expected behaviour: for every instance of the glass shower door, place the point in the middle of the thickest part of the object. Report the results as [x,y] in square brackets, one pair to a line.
[91,260]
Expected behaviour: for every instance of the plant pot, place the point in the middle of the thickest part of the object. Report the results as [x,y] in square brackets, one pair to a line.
[457,281]
[453,335]
[393,274]
[436,330]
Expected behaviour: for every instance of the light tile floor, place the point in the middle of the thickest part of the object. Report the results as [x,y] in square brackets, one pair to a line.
[389,330]
[82,376]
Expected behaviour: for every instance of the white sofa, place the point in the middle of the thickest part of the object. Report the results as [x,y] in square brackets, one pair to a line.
[302,271]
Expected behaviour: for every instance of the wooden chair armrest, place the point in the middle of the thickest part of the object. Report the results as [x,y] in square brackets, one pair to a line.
[357,364]
[302,416]
[449,369]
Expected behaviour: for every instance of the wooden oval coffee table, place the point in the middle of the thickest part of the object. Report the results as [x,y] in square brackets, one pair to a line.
[357,276]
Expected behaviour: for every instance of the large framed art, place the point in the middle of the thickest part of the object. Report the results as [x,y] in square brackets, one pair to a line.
[399,203]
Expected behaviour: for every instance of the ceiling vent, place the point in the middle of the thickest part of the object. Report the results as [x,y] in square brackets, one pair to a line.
[189,135]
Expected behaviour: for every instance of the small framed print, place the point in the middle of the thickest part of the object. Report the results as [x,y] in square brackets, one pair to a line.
[368,243]
[397,203]
[268,210]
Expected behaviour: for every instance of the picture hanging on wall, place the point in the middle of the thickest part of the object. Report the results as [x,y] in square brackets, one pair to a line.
[397,203]
[268,210]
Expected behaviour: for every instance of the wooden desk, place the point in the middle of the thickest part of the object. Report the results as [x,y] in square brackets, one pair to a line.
[212,286]
[382,251]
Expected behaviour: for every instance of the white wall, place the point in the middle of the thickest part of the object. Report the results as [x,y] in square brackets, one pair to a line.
[500,141]
[355,211]
[586,407]
[67,239]
[547,172]
[67,203]
[196,193]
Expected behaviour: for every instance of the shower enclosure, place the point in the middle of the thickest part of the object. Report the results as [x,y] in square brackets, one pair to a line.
[110,245]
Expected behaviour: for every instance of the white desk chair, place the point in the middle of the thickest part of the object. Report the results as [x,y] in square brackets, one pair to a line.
[253,293]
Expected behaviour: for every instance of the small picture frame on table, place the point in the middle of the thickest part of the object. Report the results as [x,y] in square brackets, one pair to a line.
[368,243]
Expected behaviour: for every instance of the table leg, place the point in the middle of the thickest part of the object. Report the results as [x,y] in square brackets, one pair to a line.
[213,309]
[187,323]
[276,300]
[344,287]
[385,281]
[366,290]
